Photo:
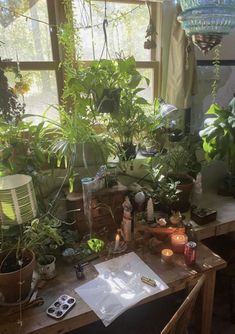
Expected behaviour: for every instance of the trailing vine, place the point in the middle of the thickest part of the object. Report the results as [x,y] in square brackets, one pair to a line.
[216,71]
[70,40]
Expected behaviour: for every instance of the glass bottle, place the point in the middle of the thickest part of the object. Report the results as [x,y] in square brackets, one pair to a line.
[189,230]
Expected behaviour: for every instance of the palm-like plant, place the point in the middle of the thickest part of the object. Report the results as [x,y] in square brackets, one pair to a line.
[64,135]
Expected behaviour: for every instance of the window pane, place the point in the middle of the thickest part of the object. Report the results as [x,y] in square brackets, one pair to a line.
[42,93]
[127,35]
[148,92]
[27,39]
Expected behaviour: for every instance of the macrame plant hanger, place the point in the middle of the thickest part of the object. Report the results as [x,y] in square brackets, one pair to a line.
[105,25]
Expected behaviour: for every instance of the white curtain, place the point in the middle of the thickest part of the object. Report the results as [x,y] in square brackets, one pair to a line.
[179,64]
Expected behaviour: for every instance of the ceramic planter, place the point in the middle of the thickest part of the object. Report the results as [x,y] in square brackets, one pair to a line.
[47,271]
[9,281]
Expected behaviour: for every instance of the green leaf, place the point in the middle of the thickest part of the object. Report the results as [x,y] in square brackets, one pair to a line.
[214,109]
[141,100]
[96,245]
[135,80]
[231,121]
[207,131]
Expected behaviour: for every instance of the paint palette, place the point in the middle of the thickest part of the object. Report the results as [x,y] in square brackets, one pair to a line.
[61,306]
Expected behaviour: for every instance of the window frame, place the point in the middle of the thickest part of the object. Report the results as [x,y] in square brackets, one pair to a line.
[56,17]
[155,55]
[53,65]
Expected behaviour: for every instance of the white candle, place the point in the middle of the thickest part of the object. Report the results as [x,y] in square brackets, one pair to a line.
[150,210]
[117,240]
[178,242]
[167,255]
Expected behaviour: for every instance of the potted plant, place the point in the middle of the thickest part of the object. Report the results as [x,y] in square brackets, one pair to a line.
[73,143]
[176,164]
[43,237]
[99,84]
[17,263]
[163,190]
[21,147]
[110,87]
[218,138]
[155,134]
[22,246]
[127,125]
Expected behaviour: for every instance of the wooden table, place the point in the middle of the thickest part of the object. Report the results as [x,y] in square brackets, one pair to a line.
[178,276]
[225,221]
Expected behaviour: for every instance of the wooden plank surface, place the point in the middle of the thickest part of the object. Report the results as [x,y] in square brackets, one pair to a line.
[177,276]
[225,221]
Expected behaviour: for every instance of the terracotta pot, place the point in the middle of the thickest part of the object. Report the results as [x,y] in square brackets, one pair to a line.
[9,281]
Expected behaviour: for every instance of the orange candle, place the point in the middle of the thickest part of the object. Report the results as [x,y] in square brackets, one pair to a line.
[178,242]
[167,255]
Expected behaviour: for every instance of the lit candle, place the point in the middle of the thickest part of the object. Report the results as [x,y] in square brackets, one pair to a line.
[167,255]
[117,240]
[178,242]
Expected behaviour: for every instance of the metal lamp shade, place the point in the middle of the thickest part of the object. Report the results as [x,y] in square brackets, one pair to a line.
[207,21]
[17,199]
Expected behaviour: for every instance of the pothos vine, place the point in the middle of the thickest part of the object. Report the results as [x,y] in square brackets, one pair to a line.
[216,71]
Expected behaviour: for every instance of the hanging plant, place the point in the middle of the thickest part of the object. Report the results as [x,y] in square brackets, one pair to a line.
[216,70]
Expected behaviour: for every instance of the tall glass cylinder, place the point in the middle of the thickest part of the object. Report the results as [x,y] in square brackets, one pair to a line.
[87,184]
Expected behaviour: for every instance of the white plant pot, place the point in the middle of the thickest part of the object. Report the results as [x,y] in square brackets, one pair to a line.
[47,271]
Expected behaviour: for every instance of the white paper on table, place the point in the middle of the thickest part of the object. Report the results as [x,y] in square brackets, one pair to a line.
[118,286]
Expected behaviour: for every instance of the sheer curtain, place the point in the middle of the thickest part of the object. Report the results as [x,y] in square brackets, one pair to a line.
[179,64]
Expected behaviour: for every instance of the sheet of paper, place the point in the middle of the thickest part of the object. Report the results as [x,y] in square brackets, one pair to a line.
[118,286]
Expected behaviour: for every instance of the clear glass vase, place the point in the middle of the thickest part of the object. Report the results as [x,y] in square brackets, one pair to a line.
[87,187]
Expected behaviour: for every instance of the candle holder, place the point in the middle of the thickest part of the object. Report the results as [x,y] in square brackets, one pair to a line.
[178,242]
[117,250]
[167,256]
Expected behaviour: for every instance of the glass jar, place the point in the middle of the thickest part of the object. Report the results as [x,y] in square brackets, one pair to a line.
[189,230]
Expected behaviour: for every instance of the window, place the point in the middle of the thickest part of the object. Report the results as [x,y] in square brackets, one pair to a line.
[28,43]
[33,44]
[126,30]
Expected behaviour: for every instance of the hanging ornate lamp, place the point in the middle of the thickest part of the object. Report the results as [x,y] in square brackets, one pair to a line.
[206,21]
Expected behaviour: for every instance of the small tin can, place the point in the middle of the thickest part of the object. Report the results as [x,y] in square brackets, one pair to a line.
[190,251]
